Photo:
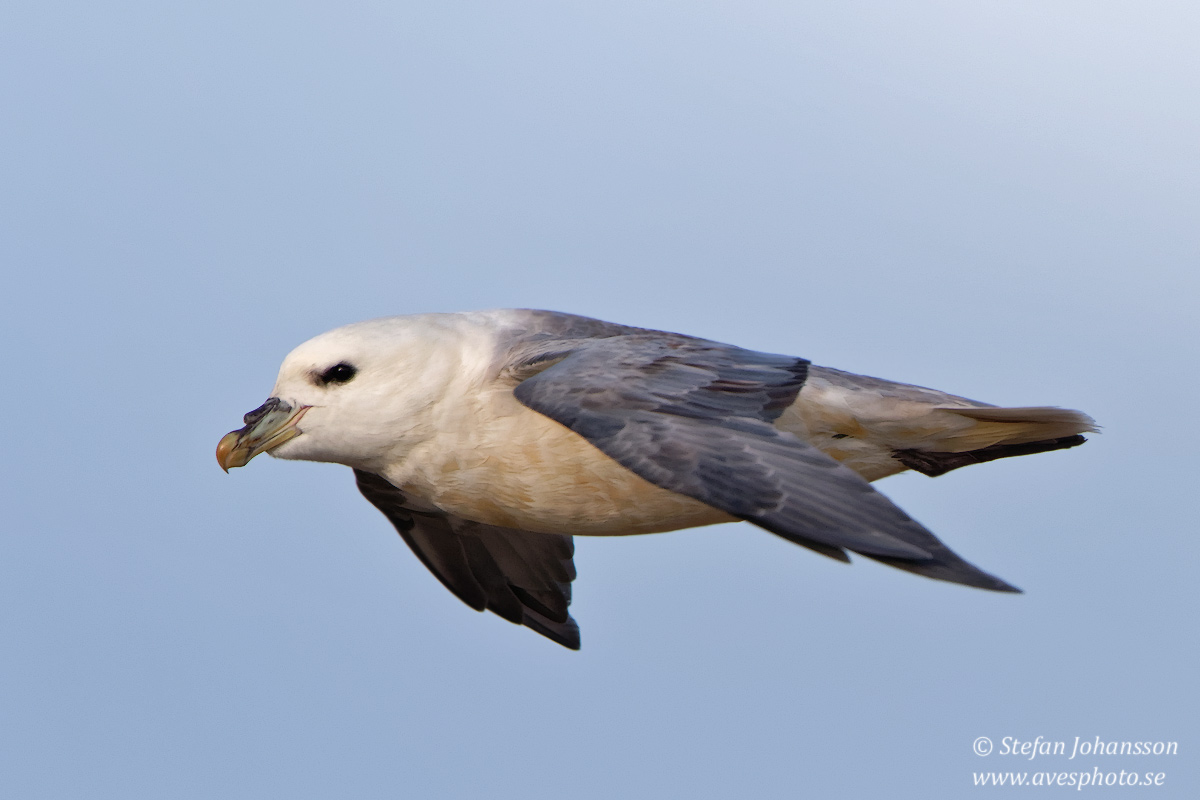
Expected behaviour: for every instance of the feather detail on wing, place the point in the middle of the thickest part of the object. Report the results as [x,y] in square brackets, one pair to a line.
[695,417]
[522,576]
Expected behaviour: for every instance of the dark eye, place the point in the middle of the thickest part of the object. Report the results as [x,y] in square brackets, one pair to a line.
[338,373]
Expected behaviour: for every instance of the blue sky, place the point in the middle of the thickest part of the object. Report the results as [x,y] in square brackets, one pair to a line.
[997,199]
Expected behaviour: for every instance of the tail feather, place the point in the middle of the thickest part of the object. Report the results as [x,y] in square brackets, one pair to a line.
[990,426]
[1032,424]
[997,433]
[879,428]
[934,464]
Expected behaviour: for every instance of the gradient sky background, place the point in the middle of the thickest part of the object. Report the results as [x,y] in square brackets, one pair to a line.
[998,199]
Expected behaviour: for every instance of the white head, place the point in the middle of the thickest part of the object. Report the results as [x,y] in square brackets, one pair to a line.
[359,395]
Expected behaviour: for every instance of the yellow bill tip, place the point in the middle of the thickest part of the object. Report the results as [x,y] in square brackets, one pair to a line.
[228,453]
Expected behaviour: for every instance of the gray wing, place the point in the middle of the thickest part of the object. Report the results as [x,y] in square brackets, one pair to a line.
[695,417]
[524,577]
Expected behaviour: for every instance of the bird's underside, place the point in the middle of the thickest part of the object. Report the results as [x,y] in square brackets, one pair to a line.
[590,428]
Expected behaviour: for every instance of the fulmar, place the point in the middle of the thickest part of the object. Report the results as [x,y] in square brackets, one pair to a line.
[489,439]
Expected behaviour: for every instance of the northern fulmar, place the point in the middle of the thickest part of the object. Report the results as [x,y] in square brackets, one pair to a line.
[490,439]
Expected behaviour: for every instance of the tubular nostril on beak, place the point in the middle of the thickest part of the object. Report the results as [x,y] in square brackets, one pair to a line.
[272,404]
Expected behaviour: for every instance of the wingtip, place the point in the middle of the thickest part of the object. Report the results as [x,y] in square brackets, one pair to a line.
[563,633]
[952,569]
[990,582]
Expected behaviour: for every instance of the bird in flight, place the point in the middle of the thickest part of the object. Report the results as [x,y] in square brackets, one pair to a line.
[490,439]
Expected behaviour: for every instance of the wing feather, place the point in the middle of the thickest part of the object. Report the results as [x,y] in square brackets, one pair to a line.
[522,576]
[695,417]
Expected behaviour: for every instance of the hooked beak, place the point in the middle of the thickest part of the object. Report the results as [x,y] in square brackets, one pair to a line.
[267,427]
